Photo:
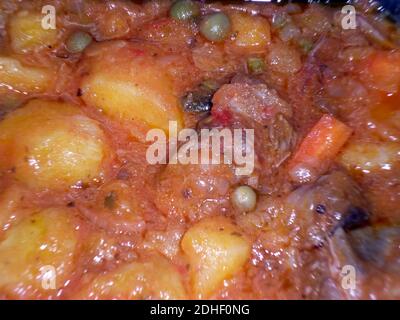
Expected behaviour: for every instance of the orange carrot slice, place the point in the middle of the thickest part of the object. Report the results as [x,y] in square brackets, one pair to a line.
[318,149]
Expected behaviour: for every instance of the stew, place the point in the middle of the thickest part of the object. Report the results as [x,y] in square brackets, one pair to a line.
[111,110]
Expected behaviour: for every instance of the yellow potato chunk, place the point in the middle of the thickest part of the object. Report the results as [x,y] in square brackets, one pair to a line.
[27,79]
[252,33]
[27,34]
[10,199]
[128,85]
[216,250]
[149,278]
[283,59]
[369,157]
[51,145]
[37,255]
[113,24]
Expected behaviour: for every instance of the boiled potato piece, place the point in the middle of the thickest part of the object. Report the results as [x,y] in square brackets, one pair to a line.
[27,34]
[283,59]
[43,242]
[27,79]
[252,34]
[113,24]
[128,85]
[51,145]
[216,250]
[10,200]
[148,278]
[370,157]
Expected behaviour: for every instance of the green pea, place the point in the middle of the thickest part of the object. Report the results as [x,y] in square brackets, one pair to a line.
[306,45]
[215,27]
[78,41]
[244,198]
[210,84]
[279,20]
[255,65]
[184,10]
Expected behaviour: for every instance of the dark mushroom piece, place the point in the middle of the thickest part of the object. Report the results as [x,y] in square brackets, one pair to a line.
[354,218]
[200,99]
[378,246]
